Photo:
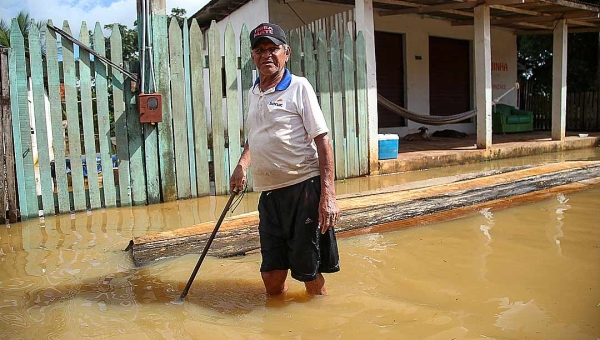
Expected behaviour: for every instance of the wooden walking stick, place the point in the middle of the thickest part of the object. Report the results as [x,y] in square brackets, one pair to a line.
[210,239]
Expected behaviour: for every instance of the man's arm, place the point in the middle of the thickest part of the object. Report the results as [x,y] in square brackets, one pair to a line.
[329,212]
[237,182]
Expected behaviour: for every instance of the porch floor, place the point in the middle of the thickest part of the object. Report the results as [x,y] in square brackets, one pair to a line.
[440,151]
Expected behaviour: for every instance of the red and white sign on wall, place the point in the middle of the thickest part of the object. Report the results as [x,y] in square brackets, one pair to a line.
[499,67]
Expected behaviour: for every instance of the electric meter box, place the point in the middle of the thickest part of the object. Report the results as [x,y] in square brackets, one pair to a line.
[150,107]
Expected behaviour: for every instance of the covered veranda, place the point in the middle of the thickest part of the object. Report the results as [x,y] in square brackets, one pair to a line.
[556,17]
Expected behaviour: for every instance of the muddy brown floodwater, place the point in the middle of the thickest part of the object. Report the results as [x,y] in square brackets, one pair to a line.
[530,272]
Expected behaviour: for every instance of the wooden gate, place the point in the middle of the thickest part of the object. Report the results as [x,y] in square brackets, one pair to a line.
[77,134]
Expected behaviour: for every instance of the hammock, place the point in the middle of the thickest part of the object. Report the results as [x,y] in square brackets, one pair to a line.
[430,119]
[424,119]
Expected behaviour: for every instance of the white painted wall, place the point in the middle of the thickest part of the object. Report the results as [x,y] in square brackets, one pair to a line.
[252,14]
[297,13]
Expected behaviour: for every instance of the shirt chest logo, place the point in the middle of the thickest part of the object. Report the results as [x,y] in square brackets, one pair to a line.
[276,103]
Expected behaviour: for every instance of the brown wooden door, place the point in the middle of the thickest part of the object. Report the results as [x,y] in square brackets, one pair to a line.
[389,55]
[449,76]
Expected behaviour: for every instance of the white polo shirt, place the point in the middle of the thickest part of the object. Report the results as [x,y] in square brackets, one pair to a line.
[282,123]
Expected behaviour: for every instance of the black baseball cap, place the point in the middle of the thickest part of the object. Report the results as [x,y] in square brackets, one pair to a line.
[269,31]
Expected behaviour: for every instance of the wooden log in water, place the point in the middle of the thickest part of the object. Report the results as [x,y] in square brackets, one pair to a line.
[388,209]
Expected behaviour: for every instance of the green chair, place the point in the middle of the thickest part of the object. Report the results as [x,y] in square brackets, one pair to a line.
[508,119]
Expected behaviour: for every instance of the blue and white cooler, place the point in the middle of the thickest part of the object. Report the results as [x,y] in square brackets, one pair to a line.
[388,146]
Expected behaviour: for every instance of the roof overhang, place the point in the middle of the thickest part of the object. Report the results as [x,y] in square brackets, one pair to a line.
[217,10]
[519,16]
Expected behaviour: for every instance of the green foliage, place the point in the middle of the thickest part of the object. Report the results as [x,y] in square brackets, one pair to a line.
[582,64]
[534,53]
[25,24]
[129,38]
[179,14]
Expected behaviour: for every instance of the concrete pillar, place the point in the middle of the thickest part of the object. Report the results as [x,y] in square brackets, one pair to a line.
[559,81]
[365,23]
[483,76]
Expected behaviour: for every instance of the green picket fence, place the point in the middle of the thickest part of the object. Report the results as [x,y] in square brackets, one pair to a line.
[194,149]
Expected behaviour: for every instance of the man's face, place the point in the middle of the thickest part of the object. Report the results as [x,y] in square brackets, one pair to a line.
[269,58]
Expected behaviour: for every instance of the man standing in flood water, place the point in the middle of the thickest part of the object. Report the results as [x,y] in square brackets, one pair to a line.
[292,164]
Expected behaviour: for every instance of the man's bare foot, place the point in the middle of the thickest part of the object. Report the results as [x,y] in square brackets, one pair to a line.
[317,286]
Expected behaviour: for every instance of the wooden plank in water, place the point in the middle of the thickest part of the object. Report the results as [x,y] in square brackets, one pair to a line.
[367,212]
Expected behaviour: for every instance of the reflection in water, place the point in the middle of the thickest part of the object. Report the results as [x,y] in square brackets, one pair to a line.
[514,313]
[554,233]
[486,245]
[529,272]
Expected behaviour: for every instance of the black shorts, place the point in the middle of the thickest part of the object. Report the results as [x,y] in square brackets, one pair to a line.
[290,236]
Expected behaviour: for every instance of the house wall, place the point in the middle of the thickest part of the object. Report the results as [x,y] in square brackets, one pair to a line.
[252,14]
[417,31]
[297,13]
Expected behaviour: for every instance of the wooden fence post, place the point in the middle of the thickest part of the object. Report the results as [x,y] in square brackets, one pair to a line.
[74,133]
[135,144]
[160,49]
[4,108]
[215,67]
[338,107]
[231,95]
[56,117]
[101,80]
[180,122]
[199,109]
[28,200]
[120,117]
[7,134]
[247,81]
[87,115]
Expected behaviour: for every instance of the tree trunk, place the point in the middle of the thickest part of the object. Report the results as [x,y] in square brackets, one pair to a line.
[393,208]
